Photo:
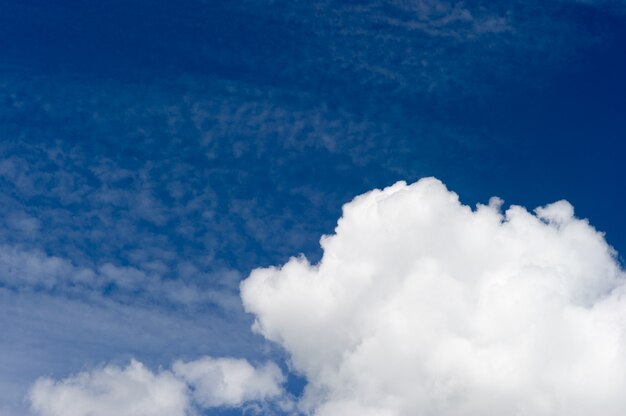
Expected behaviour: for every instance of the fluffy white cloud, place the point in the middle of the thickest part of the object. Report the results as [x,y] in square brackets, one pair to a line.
[229,381]
[136,391]
[130,391]
[421,305]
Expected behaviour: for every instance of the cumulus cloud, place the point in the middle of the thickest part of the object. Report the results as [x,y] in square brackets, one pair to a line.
[230,382]
[137,391]
[129,391]
[424,306]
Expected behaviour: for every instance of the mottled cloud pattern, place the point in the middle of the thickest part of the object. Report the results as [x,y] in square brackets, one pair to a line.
[422,305]
[154,153]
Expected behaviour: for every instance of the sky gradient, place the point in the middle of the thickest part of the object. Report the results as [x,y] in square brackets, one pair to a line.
[154,153]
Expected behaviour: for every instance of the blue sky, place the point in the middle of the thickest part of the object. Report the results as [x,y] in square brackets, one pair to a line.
[153,153]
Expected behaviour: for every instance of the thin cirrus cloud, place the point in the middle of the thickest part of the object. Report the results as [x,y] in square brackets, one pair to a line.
[421,305]
[135,390]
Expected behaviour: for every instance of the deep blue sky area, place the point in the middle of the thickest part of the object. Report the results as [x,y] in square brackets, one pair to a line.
[180,144]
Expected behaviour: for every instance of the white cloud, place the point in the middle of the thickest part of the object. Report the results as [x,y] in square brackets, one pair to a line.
[136,391]
[229,381]
[124,277]
[19,267]
[421,305]
[131,391]
[22,268]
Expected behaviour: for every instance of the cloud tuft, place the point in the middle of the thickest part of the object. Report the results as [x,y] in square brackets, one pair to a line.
[129,391]
[230,382]
[135,390]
